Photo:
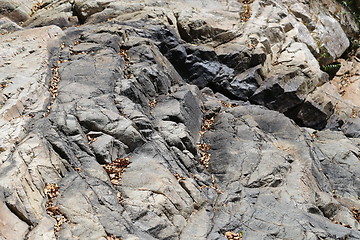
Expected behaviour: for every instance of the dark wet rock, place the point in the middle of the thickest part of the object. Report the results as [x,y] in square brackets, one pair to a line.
[236,56]
[245,84]
[310,115]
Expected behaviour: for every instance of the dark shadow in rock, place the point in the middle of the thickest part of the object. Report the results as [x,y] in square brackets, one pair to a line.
[331,69]
[307,115]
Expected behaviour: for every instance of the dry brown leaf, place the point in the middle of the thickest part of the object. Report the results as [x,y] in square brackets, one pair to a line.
[204,154]
[51,190]
[228,105]
[112,237]
[356,214]
[233,236]
[179,177]
[90,139]
[152,103]
[116,168]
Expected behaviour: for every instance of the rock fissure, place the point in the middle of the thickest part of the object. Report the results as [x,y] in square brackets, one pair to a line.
[52,191]
[18,214]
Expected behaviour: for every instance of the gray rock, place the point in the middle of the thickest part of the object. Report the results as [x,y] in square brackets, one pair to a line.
[106,148]
[6,26]
[254,136]
[14,228]
[351,128]
[57,13]
[85,8]
[181,107]
[18,11]
[176,134]
[105,136]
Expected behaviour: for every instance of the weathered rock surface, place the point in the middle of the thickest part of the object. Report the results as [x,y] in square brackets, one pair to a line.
[18,11]
[7,26]
[181,119]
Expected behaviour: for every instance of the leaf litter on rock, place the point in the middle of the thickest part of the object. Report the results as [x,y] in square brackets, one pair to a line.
[228,105]
[90,138]
[233,236]
[356,213]
[4,84]
[53,87]
[152,103]
[204,148]
[37,6]
[245,13]
[115,169]
[207,125]
[124,54]
[112,237]
[179,177]
[204,154]
[52,191]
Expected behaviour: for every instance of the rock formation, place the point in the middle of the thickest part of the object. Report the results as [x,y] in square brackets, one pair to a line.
[208,119]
